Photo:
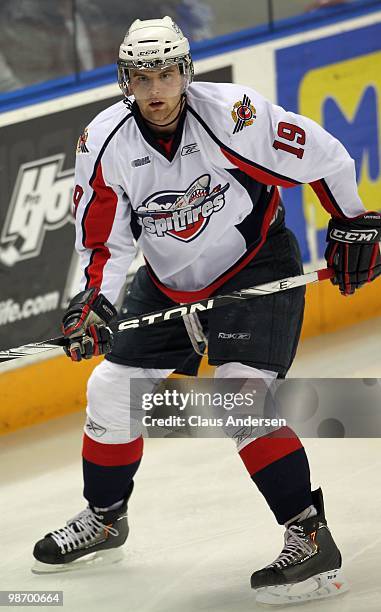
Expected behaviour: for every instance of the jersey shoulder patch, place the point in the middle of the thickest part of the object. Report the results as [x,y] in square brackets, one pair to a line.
[227,108]
[101,128]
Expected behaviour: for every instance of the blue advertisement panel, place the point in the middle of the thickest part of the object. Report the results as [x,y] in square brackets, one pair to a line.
[337,82]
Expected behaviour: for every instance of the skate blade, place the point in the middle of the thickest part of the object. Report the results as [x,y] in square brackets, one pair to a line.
[101,558]
[321,586]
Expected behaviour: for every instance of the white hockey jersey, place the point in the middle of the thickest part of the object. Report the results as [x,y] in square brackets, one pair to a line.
[203,214]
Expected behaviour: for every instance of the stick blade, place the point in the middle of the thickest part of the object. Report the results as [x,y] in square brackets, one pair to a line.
[31,349]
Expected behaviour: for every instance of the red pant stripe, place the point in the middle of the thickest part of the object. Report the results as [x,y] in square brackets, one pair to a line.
[112,454]
[265,450]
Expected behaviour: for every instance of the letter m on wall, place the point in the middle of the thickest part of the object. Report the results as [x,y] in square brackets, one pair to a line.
[345,98]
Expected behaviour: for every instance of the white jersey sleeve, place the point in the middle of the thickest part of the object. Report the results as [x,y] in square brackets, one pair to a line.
[102,210]
[278,147]
[301,151]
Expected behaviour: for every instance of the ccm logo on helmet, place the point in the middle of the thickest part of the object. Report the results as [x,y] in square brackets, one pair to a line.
[354,236]
[152,52]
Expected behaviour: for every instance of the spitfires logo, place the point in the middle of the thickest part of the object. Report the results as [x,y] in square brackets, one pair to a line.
[182,215]
[243,114]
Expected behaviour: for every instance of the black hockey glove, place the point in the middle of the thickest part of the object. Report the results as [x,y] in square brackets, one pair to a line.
[85,325]
[353,251]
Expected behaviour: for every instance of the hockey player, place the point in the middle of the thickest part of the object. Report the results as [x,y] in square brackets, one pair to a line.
[190,173]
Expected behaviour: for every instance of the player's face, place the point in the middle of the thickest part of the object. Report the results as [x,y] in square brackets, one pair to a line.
[157,92]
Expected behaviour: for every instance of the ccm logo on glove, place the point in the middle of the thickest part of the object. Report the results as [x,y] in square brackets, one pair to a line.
[353,251]
[354,236]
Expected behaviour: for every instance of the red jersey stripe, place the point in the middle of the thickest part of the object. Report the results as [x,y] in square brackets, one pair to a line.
[112,454]
[265,450]
[97,225]
[325,200]
[259,174]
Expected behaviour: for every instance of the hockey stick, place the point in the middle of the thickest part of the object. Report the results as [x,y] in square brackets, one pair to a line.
[176,312]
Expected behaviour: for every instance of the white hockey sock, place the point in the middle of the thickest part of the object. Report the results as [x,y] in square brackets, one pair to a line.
[113,507]
[307,513]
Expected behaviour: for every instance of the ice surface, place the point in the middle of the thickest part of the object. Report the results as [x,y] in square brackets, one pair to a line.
[198,525]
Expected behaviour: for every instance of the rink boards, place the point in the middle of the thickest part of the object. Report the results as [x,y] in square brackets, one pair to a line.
[331,73]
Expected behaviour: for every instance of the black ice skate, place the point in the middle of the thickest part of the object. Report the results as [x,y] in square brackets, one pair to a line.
[308,566]
[88,538]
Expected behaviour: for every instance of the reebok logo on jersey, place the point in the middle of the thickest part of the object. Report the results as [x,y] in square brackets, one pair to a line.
[243,114]
[189,149]
[182,214]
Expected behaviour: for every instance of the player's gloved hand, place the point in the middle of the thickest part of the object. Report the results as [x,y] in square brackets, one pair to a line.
[353,250]
[84,323]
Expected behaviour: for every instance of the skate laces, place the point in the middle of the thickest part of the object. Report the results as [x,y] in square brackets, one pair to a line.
[296,544]
[79,530]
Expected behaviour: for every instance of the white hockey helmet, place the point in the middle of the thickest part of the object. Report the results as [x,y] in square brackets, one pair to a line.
[154,43]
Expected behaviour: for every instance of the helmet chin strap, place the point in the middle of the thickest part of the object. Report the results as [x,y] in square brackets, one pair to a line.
[180,103]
